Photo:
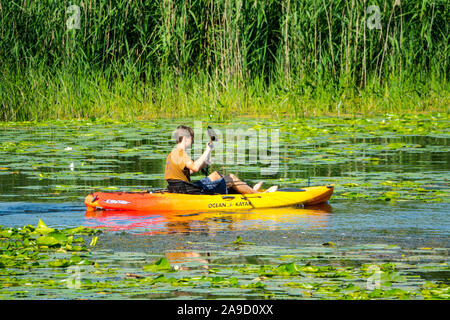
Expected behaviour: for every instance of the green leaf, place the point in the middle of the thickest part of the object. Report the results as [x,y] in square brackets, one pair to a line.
[76,230]
[47,241]
[61,237]
[60,263]
[76,248]
[51,239]
[392,277]
[311,269]
[75,259]
[42,228]
[6,233]
[238,240]
[94,241]
[287,269]
[160,265]
[218,281]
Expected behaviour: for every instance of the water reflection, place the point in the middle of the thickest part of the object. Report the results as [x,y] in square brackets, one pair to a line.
[208,223]
[182,259]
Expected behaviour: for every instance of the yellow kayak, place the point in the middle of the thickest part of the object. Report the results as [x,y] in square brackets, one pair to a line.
[168,202]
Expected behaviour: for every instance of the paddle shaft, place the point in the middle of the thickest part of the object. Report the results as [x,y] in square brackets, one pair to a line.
[212,137]
[205,171]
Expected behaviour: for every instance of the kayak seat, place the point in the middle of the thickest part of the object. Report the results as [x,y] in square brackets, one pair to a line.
[180,186]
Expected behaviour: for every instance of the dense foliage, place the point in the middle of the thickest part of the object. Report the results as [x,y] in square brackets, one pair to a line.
[56,65]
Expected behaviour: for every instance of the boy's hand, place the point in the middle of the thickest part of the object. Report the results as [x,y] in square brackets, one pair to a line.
[209,146]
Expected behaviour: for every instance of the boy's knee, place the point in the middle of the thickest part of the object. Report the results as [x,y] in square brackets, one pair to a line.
[229,178]
[215,176]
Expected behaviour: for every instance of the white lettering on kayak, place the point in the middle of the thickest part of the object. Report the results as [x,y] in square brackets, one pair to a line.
[220,205]
[112,201]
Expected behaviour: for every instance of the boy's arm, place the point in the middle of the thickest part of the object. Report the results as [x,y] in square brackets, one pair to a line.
[197,165]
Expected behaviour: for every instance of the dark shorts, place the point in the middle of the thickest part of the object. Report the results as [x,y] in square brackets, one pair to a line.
[212,187]
[203,186]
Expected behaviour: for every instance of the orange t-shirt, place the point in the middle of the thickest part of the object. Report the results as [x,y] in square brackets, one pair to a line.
[176,166]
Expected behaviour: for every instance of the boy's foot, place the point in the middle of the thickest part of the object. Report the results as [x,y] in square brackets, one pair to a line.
[272,189]
[257,186]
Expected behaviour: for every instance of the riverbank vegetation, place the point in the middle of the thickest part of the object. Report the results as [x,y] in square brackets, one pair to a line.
[222,58]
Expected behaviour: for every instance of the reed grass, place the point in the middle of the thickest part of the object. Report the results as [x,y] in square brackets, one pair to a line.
[222,58]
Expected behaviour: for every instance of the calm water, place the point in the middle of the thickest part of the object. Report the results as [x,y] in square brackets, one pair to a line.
[344,222]
[391,204]
[47,170]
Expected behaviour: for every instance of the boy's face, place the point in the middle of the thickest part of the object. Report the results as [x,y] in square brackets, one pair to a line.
[188,141]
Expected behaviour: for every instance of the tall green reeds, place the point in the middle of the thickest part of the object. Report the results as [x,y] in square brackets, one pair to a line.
[144,59]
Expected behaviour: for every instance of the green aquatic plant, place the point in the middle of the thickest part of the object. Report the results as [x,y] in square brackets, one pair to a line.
[239,241]
[42,271]
[29,246]
[161,264]
[78,157]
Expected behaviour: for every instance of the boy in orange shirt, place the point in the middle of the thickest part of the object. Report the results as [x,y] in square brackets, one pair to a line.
[179,167]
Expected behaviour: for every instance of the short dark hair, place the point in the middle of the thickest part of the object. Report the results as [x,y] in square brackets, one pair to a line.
[183,131]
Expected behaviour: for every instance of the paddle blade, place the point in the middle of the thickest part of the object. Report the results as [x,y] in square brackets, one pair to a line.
[212,134]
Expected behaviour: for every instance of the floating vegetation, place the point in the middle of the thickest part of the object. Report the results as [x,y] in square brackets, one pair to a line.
[386,162]
[41,262]
[390,158]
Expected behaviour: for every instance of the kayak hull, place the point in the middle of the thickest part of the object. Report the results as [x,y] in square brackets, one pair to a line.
[165,201]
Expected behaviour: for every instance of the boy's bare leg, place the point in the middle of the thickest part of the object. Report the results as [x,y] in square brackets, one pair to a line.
[238,185]
[214,176]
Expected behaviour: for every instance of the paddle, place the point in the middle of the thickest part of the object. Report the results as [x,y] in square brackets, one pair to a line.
[212,137]
[205,171]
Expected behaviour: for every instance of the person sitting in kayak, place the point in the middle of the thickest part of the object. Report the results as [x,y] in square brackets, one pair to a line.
[179,167]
